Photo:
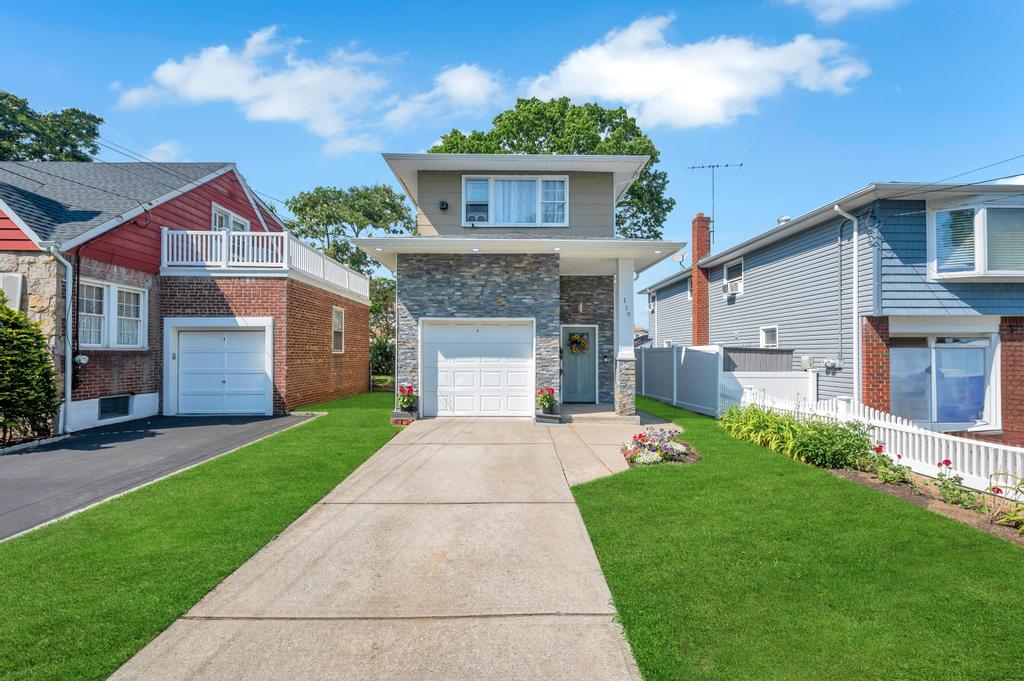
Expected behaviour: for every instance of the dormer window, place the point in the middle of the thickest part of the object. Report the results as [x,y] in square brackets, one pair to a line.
[515,201]
[982,241]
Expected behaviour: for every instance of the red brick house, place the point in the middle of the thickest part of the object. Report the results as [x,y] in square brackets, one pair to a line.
[188,295]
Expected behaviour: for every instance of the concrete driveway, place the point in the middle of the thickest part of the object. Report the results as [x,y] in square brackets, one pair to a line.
[455,552]
[48,482]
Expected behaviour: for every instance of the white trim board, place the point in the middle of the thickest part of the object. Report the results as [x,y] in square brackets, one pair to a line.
[172,325]
[942,325]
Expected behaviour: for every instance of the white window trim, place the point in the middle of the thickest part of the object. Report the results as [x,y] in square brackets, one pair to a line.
[232,217]
[490,200]
[333,331]
[981,272]
[761,332]
[725,277]
[993,386]
[689,290]
[109,332]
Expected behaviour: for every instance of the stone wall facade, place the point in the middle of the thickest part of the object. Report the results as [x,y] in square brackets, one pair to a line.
[591,300]
[41,300]
[478,286]
[625,387]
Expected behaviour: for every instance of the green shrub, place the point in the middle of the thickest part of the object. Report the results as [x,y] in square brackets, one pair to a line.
[816,441]
[29,396]
[382,356]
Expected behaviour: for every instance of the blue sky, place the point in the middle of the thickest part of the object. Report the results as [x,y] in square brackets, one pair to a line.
[818,97]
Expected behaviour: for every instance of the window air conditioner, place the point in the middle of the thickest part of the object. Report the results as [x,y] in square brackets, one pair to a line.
[731,288]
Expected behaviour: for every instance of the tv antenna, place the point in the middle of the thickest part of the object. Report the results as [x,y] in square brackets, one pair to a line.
[713,167]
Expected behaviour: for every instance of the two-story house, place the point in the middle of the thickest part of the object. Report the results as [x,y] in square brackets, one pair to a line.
[906,297]
[171,288]
[515,281]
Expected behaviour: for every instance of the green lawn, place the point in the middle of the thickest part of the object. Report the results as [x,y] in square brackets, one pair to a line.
[81,596]
[748,565]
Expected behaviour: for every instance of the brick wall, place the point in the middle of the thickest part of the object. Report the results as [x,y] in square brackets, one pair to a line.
[233,297]
[875,362]
[315,372]
[118,371]
[1011,366]
[701,245]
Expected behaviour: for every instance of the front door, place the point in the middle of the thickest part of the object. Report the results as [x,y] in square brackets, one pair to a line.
[579,364]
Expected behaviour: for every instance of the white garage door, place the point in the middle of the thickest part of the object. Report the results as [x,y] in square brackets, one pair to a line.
[222,372]
[477,368]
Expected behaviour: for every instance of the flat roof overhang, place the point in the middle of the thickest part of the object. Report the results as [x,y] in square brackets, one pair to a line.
[576,256]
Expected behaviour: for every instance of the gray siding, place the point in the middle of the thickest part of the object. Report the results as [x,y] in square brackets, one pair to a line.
[904,285]
[591,209]
[671,318]
[804,286]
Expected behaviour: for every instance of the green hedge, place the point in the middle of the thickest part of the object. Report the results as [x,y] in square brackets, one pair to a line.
[29,396]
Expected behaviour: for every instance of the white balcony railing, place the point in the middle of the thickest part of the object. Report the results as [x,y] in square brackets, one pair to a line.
[254,250]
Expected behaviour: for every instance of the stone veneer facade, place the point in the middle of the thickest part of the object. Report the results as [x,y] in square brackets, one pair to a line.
[597,296]
[478,286]
[514,286]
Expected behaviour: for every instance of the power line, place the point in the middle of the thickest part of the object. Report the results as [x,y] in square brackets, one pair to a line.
[966,172]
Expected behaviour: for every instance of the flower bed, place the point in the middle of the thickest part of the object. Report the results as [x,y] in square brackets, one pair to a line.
[658,445]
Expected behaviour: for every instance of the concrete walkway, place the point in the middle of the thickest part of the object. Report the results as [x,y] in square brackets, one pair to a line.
[455,552]
[50,481]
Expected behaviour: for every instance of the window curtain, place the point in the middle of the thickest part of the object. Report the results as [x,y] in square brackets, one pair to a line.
[954,240]
[515,202]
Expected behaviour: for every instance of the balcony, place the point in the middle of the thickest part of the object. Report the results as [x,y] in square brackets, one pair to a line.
[254,253]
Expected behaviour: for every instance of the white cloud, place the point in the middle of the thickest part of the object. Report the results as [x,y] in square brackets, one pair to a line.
[268,81]
[1018,179]
[711,82]
[171,150]
[836,10]
[463,88]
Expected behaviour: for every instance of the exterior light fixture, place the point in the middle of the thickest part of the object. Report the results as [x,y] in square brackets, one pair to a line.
[443,205]
[474,249]
[557,248]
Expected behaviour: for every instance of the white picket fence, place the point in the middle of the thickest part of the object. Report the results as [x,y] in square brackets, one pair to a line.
[981,464]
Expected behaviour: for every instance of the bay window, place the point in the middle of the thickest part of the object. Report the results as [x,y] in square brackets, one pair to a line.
[111,316]
[515,200]
[979,242]
[950,383]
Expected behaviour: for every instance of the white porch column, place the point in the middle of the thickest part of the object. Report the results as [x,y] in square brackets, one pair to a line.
[624,318]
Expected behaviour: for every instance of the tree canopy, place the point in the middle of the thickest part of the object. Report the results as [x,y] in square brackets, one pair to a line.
[557,126]
[27,135]
[331,217]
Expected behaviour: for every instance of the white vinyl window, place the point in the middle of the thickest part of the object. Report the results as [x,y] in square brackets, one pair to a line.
[976,242]
[945,382]
[733,279]
[769,336]
[338,330]
[111,316]
[224,220]
[515,200]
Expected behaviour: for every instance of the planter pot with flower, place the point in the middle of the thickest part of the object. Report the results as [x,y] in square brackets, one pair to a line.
[546,400]
[406,402]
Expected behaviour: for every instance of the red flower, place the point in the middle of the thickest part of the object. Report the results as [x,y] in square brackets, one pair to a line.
[947,462]
[551,391]
[879,448]
[997,490]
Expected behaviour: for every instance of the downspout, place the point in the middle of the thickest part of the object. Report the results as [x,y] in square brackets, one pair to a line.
[68,325]
[855,305]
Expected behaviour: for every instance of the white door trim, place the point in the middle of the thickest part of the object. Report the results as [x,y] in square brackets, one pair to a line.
[483,320]
[172,325]
[597,345]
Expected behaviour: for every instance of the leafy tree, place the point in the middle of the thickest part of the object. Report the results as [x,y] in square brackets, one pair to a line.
[330,217]
[29,396]
[382,307]
[382,356]
[559,127]
[27,135]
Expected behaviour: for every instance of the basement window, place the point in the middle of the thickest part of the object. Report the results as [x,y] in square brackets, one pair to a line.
[114,407]
[769,337]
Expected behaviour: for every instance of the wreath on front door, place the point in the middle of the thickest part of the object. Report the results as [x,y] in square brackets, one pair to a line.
[578,344]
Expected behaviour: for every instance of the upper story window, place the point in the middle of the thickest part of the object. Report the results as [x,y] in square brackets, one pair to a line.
[980,241]
[733,279]
[111,316]
[224,220]
[338,330]
[515,200]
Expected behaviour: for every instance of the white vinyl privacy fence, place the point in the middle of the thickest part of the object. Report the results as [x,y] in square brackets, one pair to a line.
[982,464]
[693,378]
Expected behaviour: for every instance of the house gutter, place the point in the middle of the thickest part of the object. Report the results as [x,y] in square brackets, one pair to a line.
[855,305]
[51,246]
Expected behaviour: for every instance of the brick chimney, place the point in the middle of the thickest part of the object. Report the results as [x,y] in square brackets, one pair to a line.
[701,245]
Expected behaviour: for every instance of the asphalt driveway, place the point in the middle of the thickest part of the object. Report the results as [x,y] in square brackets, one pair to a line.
[455,552]
[51,481]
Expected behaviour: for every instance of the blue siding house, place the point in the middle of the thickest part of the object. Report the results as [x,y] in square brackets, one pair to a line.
[906,297]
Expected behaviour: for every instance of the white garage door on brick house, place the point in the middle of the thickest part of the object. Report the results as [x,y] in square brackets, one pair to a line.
[222,372]
[477,368]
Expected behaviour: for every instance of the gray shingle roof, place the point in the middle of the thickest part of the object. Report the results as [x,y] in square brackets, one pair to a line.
[61,199]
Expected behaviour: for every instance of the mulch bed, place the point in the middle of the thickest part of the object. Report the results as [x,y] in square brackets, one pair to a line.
[928,497]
